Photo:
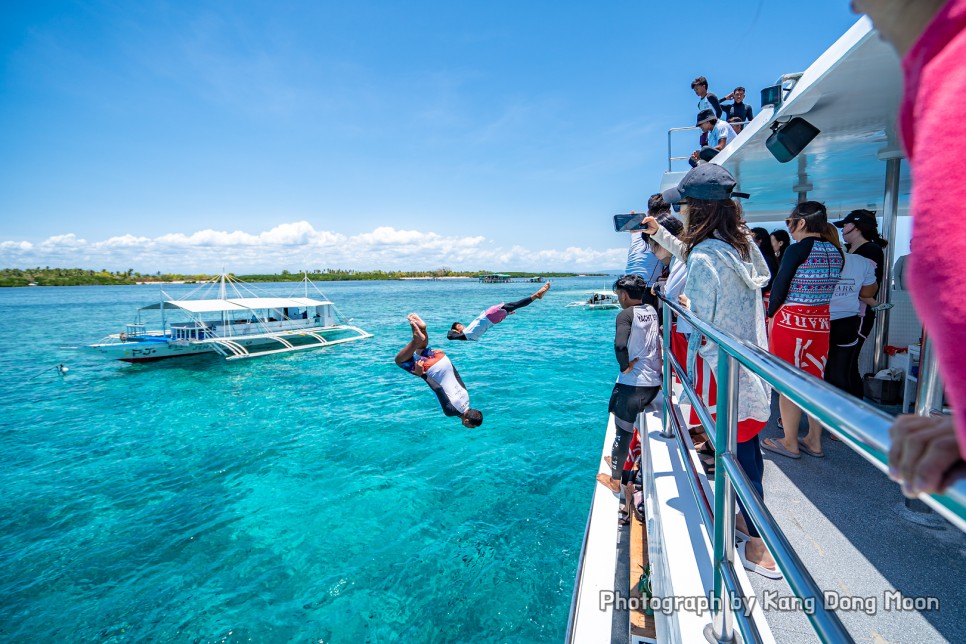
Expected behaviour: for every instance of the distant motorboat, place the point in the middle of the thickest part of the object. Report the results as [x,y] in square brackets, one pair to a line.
[597,301]
[234,325]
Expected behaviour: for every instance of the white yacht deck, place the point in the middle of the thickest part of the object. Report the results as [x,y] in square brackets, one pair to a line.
[846,522]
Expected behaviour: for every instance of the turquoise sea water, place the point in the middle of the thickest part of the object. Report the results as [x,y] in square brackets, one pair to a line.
[317,496]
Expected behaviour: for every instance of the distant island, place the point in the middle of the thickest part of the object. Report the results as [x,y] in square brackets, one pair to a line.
[81,277]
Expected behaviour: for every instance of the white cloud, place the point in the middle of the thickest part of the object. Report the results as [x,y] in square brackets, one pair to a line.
[295,246]
[14,246]
[59,242]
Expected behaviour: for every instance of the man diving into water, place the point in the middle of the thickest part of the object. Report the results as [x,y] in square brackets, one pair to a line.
[493,315]
[433,366]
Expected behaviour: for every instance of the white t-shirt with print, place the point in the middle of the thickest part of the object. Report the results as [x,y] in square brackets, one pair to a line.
[442,373]
[857,272]
[720,131]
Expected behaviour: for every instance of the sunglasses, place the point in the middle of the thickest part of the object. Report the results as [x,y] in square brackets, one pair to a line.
[790,220]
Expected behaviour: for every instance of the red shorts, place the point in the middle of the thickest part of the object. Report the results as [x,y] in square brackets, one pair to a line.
[704,383]
[707,387]
[679,347]
[799,336]
[633,451]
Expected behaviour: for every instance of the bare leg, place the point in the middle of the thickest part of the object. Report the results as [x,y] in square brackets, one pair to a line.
[420,326]
[539,294]
[614,485]
[791,417]
[629,498]
[418,342]
[814,437]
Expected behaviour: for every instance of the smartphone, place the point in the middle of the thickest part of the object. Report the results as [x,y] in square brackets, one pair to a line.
[627,223]
[885,306]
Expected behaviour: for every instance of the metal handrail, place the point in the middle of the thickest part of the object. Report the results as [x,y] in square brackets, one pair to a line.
[676,129]
[859,425]
[686,129]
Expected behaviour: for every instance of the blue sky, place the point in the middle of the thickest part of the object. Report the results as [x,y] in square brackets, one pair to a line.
[187,136]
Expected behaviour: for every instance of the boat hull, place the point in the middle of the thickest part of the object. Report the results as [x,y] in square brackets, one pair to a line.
[153,350]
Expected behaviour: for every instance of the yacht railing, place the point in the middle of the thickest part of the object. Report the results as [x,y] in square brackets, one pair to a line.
[670,158]
[861,426]
[669,153]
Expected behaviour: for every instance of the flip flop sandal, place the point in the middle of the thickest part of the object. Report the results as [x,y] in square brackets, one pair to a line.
[805,448]
[706,449]
[623,518]
[639,512]
[777,448]
[708,464]
[753,567]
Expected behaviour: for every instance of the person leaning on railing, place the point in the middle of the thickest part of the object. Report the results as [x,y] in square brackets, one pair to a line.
[726,272]
[677,275]
[664,232]
[930,36]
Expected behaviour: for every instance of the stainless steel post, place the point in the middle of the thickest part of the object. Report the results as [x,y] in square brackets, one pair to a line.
[668,430]
[726,442]
[669,150]
[929,393]
[890,215]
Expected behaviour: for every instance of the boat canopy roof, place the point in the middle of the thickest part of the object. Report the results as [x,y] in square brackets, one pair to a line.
[851,93]
[238,304]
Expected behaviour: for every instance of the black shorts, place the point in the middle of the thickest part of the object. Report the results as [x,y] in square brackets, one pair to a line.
[628,401]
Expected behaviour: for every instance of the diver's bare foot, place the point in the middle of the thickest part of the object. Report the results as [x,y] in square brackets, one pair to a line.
[418,334]
[418,321]
[539,294]
[614,485]
[608,459]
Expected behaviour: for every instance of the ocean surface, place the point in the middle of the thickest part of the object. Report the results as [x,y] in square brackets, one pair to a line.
[320,496]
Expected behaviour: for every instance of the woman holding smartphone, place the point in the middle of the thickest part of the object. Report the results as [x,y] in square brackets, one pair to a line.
[726,272]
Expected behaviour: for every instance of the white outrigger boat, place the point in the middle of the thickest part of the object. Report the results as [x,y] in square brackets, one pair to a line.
[234,325]
[598,301]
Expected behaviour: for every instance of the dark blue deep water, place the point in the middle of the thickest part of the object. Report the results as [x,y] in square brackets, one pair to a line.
[318,496]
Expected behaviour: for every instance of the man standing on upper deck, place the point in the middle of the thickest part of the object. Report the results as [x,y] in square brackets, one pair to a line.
[706,100]
[435,367]
[737,108]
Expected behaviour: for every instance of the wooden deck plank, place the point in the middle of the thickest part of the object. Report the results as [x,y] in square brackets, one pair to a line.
[641,625]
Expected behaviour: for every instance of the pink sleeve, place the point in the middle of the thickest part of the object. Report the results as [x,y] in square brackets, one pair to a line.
[937,268]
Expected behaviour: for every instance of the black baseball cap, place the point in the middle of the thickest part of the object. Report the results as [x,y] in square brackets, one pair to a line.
[858,217]
[708,181]
[704,116]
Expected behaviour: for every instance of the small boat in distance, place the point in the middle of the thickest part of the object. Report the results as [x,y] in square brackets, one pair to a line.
[599,300]
[235,325]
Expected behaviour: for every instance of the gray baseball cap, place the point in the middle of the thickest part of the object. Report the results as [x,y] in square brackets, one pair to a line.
[708,181]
